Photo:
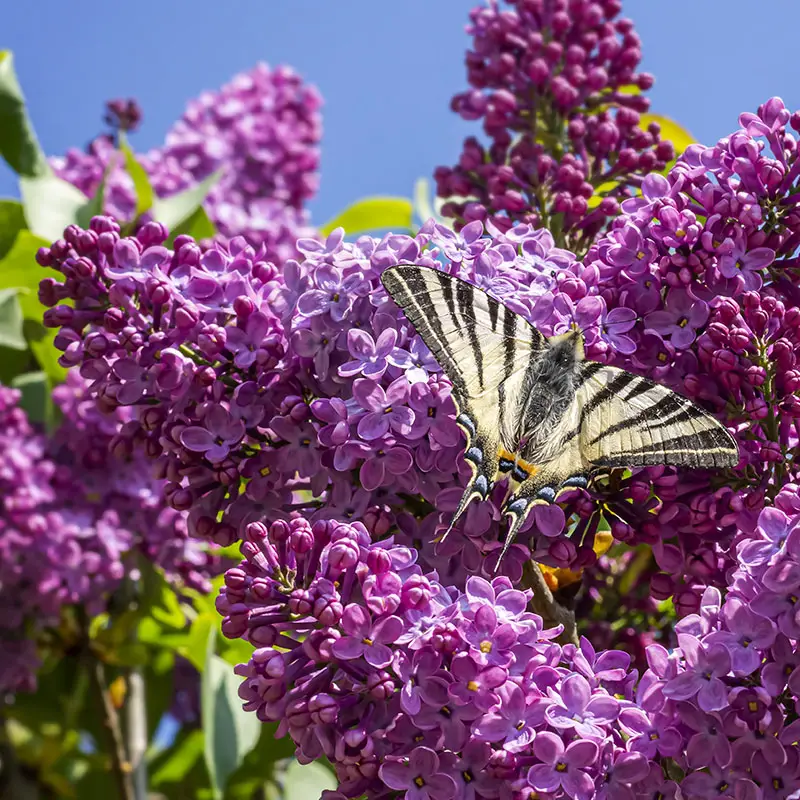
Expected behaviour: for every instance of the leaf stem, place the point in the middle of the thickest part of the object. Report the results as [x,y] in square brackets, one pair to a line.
[119,760]
[137,731]
[546,606]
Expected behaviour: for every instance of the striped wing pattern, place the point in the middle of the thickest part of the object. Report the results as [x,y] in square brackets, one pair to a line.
[624,420]
[483,347]
[618,419]
[615,419]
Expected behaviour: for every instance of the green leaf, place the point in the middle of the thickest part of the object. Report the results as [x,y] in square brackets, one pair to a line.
[145,196]
[41,341]
[18,143]
[235,651]
[259,764]
[50,205]
[13,363]
[11,334]
[181,759]
[174,211]
[670,129]
[230,732]
[304,782]
[199,226]
[372,214]
[12,221]
[36,397]
[19,268]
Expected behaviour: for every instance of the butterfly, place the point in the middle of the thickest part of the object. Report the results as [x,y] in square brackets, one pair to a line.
[534,410]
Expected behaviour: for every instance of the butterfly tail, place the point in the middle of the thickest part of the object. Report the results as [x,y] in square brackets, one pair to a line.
[526,496]
[483,464]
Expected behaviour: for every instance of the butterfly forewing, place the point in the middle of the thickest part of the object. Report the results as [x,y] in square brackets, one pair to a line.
[624,420]
[482,346]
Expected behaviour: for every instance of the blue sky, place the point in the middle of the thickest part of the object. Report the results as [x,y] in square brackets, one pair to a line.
[387,71]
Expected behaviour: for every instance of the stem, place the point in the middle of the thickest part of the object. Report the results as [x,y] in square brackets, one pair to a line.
[119,761]
[546,606]
[137,731]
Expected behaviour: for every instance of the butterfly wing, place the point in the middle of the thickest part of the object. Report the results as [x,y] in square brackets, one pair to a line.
[617,419]
[624,420]
[482,346]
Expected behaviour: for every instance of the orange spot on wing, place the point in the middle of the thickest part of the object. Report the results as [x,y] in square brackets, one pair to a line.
[502,453]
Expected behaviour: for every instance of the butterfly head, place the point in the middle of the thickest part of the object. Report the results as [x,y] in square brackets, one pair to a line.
[566,349]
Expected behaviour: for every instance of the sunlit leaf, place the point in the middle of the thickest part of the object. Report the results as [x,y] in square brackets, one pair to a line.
[18,143]
[174,211]
[199,226]
[182,758]
[145,196]
[11,334]
[230,732]
[50,205]
[12,221]
[373,214]
[304,781]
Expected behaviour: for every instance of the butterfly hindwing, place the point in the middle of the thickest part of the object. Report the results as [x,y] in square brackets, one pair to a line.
[510,392]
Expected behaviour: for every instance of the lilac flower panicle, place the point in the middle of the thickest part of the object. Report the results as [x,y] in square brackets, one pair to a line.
[261,130]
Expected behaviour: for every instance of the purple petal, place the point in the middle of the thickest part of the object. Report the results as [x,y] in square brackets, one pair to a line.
[313,302]
[423,761]
[575,693]
[543,777]
[603,708]
[377,655]
[387,630]
[713,695]
[348,647]
[581,754]
[373,425]
[441,786]
[396,775]
[398,460]
[197,439]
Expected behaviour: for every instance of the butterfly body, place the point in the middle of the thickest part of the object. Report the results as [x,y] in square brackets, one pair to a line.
[534,411]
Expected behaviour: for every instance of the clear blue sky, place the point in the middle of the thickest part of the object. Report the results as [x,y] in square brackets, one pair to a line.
[386,68]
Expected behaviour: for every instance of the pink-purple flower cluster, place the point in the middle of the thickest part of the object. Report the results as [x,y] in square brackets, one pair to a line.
[71,518]
[296,410]
[365,659]
[556,86]
[262,130]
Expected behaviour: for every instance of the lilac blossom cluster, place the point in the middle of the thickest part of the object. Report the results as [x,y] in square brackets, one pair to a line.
[71,519]
[556,86]
[261,130]
[296,410]
[438,693]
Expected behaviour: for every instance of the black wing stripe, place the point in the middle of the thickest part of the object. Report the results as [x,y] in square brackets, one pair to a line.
[669,410]
[711,439]
[641,388]
[494,309]
[465,294]
[608,392]
[407,286]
